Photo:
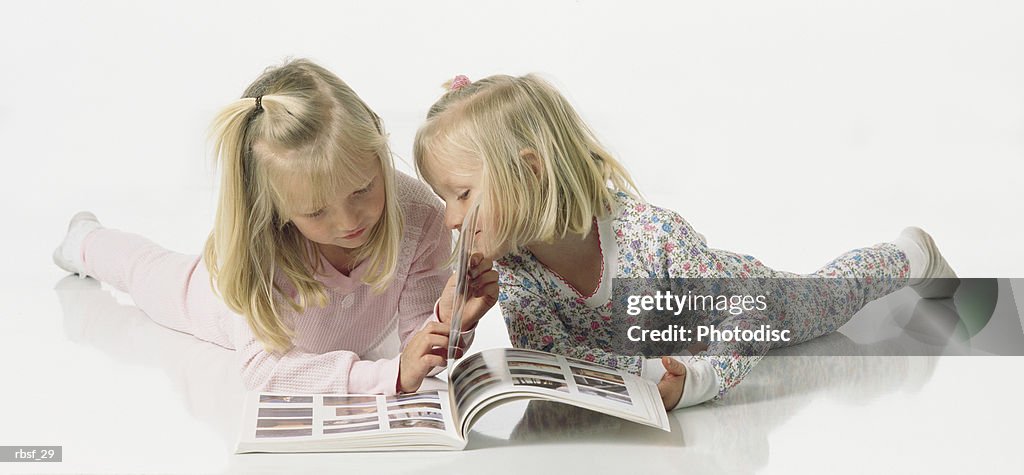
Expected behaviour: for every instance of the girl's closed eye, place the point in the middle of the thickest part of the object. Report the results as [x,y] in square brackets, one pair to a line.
[316,214]
[464,196]
[364,190]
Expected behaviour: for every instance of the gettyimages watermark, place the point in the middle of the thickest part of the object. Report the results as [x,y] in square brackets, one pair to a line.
[676,305]
[749,317]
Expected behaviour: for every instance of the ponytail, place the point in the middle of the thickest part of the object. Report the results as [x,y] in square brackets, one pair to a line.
[240,252]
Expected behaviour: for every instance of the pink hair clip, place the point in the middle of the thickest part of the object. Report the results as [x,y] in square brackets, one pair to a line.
[458,82]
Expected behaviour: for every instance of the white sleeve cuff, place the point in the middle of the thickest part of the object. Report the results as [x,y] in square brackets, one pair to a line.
[436,316]
[653,370]
[701,381]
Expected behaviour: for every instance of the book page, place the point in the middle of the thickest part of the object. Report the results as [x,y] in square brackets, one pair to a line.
[505,373]
[464,251]
[313,423]
[423,410]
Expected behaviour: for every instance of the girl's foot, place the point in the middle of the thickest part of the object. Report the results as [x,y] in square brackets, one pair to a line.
[68,255]
[930,275]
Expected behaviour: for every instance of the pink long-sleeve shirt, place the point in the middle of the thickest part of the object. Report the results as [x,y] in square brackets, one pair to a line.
[174,290]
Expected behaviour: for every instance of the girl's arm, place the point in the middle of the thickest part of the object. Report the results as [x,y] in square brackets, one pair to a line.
[706,376]
[417,302]
[533,323]
[298,371]
[686,256]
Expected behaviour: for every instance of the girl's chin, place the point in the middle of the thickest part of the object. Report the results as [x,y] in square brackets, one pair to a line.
[491,254]
[349,244]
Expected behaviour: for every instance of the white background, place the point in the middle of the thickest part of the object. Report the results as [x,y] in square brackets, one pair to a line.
[789,130]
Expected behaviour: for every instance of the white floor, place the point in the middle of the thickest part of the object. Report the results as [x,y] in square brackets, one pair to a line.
[788,130]
[88,371]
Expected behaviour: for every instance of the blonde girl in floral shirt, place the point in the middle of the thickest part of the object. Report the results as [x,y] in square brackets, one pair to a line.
[562,219]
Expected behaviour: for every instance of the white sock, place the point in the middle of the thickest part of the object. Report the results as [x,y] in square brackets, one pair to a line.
[68,255]
[915,254]
[930,275]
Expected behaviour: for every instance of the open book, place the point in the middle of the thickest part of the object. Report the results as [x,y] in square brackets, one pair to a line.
[441,419]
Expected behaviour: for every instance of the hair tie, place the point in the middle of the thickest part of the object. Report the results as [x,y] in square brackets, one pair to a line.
[259,103]
[458,82]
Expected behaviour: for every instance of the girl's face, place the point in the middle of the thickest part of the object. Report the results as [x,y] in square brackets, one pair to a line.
[347,218]
[459,185]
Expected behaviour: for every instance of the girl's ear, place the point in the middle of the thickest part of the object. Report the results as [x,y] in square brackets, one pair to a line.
[533,160]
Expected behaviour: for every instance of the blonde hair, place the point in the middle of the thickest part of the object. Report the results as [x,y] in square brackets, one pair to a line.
[498,122]
[297,121]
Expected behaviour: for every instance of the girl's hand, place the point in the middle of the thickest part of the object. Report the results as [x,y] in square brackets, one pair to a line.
[671,385]
[483,293]
[427,349]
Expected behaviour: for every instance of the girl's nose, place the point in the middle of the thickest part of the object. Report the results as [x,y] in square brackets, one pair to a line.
[347,221]
[453,219]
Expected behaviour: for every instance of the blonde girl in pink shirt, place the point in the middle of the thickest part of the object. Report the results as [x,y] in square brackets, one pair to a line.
[320,249]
